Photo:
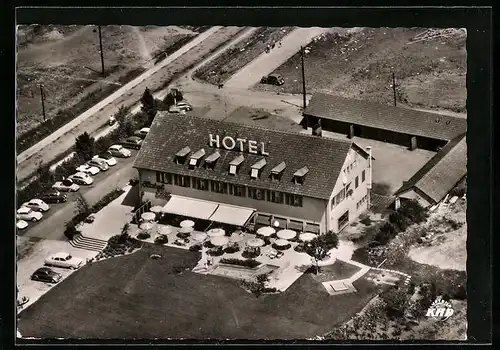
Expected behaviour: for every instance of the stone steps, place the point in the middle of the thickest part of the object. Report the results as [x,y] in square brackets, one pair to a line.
[88,243]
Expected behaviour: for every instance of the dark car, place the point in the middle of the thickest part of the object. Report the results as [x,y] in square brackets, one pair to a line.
[132,142]
[273,79]
[45,274]
[53,196]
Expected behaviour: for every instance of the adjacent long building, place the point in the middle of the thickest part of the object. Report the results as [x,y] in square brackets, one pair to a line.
[237,174]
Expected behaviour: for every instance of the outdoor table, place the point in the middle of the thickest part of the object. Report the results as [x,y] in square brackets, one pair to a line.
[219,241]
[307,236]
[266,231]
[186,229]
[215,232]
[255,242]
[148,216]
[187,223]
[199,236]
[165,230]
[286,234]
[146,225]
[156,209]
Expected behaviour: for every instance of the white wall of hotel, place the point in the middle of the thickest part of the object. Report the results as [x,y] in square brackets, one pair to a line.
[314,211]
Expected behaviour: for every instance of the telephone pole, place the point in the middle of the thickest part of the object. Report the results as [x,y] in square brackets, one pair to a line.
[102,54]
[394,87]
[43,102]
[303,77]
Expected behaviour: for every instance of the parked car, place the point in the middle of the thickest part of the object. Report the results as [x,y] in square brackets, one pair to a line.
[53,196]
[65,260]
[174,109]
[119,151]
[98,163]
[21,224]
[132,142]
[184,106]
[88,169]
[273,79]
[66,185]
[45,274]
[81,179]
[37,205]
[142,133]
[107,157]
[28,214]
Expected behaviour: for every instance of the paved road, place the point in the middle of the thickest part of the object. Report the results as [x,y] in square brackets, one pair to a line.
[53,223]
[251,74]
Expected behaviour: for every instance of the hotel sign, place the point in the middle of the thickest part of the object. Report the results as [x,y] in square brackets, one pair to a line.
[243,145]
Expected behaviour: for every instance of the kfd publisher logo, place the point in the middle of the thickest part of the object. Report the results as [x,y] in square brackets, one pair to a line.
[440,309]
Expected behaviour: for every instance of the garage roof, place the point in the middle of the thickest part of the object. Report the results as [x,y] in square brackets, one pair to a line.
[386,117]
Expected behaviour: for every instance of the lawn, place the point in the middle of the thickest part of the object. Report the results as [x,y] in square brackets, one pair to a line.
[359,63]
[134,296]
[338,271]
[262,118]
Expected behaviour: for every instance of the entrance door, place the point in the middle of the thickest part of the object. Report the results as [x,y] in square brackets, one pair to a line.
[343,220]
[358,131]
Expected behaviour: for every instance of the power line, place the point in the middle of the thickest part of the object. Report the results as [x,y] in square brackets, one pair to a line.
[303,77]
[43,102]
[102,54]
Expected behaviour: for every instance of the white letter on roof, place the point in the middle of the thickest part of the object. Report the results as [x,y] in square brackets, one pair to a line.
[262,150]
[252,146]
[241,141]
[213,140]
[231,142]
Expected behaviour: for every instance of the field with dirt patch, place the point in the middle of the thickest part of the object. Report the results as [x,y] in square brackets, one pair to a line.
[263,119]
[66,60]
[430,68]
[228,63]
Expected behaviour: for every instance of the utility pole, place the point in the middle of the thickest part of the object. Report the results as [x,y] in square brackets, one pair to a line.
[102,54]
[303,77]
[394,87]
[43,102]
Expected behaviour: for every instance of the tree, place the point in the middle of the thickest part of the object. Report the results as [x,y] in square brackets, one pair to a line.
[122,113]
[413,211]
[81,205]
[85,146]
[149,107]
[320,246]
[396,300]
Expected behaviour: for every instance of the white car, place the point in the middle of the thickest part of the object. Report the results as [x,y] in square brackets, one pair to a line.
[65,260]
[88,169]
[21,224]
[81,179]
[119,151]
[66,185]
[184,106]
[142,133]
[100,164]
[107,157]
[28,214]
[37,205]
[174,109]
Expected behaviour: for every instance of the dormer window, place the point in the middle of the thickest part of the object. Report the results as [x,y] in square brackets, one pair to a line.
[196,157]
[277,171]
[211,160]
[257,168]
[180,157]
[235,163]
[300,175]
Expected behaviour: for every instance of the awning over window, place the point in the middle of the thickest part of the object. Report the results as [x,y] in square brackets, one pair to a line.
[206,210]
[232,215]
[194,208]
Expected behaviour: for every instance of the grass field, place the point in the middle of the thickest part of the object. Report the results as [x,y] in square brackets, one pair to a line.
[359,63]
[262,118]
[66,60]
[228,63]
[134,296]
[338,271]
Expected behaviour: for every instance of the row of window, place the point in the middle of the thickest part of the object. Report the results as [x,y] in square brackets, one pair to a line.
[346,191]
[361,202]
[226,188]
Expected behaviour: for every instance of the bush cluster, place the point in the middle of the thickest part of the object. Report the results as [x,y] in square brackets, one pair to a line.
[258,286]
[144,235]
[161,239]
[250,254]
[232,249]
[246,263]
[217,251]
[195,248]
[119,245]
[183,235]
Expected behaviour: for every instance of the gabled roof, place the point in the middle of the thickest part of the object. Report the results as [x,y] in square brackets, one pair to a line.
[386,117]
[279,168]
[323,157]
[183,152]
[198,154]
[213,157]
[259,164]
[442,172]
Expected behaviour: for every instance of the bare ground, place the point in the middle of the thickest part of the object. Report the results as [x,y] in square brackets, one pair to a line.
[56,56]
[359,64]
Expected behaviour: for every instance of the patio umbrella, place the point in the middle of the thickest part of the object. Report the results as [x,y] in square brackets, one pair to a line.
[186,229]
[199,236]
[148,216]
[146,226]
[165,230]
[266,231]
[187,223]
[236,237]
[219,241]
[216,232]
[286,234]
[281,242]
[255,242]
[307,236]
[156,209]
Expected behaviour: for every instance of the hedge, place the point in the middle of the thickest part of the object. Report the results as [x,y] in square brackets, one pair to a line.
[246,263]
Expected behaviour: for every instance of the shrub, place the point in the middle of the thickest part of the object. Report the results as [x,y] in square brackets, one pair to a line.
[365,220]
[143,235]
[208,244]
[232,249]
[246,263]
[161,239]
[107,199]
[195,248]
[130,249]
[247,254]
[70,230]
[217,251]
[413,211]
[386,233]
[183,235]
[398,220]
